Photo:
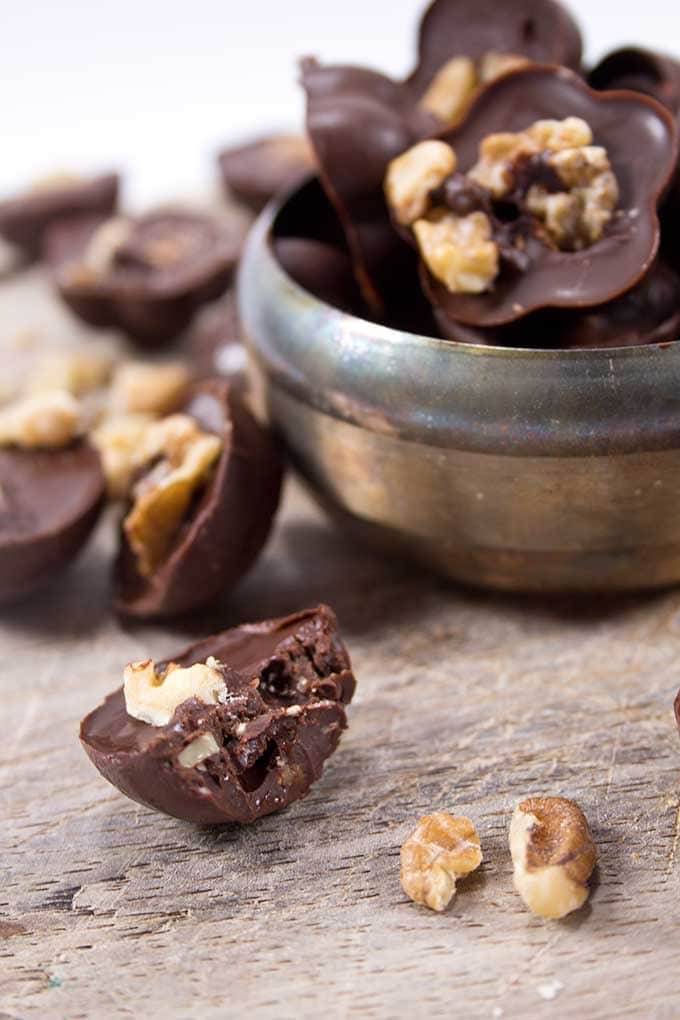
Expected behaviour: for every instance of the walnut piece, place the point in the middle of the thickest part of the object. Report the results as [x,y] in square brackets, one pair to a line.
[120,440]
[46,421]
[153,697]
[101,251]
[458,250]
[553,854]
[77,372]
[413,175]
[204,746]
[183,457]
[140,387]
[440,850]
[455,85]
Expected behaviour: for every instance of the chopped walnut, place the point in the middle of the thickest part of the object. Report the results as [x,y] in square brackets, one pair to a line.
[101,251]
[412,176]
[77,372]
[440,850]
[452,90]
[147,388]
[46,421]
[183,458]
[455,85]
[553,855]
[203,747]
[120,441]
[458,250]
[153,697]
[576,218]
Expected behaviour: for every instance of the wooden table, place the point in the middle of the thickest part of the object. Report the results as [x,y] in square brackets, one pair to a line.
[466,701]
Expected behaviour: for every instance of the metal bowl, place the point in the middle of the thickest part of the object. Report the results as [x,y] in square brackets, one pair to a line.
[512,469]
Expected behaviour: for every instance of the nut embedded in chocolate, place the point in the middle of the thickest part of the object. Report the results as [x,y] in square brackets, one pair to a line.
[50,501]
[201,507]
[265,168]
[539,30]
[248,719]
[146,276]
[358,121]
[25,218]
[614,154]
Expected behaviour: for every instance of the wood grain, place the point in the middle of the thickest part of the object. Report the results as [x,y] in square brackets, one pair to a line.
[466,701]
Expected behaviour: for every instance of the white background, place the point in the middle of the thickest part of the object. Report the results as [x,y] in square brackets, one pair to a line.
[155,88]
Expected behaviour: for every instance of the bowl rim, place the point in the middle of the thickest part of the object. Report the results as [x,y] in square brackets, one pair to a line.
[265,225]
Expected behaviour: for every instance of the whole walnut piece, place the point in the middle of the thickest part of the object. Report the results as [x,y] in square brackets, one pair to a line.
[441,849]
[553,854]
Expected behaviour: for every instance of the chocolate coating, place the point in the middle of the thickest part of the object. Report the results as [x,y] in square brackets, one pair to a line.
[25,219]
[358,121]
[639,70]
[150,298]
[268,758]
[259,171]
[649,313]
[641,140]
[226,526]
[677,709]
[321,269]
[540,30]
[50,501]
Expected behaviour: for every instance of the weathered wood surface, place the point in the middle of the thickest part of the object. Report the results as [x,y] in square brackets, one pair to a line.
[466,701]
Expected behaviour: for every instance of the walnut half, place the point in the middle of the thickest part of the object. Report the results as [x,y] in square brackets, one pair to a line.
[441,849]
[153,697]
[553,854]
[459,250]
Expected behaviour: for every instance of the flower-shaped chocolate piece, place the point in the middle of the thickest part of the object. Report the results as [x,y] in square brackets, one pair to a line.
[146,276]
[649,313]
[258,171]
[207,484]
[464,45]
[25,218]
[358,120]
[654,74]
[545,197]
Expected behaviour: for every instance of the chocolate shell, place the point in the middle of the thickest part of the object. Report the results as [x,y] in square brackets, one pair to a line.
[358,121]
[215,346]
[639,70]
[225,528]
[50,501]
[173,262]
[649,313]
[25,219]
[641,139]
[541,30]
[259,171]
[677,710]
[288,682]
[321,269]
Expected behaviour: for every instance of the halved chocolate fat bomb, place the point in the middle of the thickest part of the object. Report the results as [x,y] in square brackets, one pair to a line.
[50,501]
[541,31]
[545,196]
[26,217]
[146,276]
[268,709]
[201,508]
[266,167]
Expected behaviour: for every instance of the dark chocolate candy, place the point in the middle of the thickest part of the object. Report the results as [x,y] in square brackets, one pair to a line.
[49,503]
[215,346]
[259,171]
[321,269]
[654,74]
[677,709]
[227,524]
[649,313]
[25,219]
[358,121]
[288,682]
[541,30]
[171,262]
[641,140]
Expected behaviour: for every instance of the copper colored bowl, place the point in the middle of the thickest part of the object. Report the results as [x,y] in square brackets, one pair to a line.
[508,468]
